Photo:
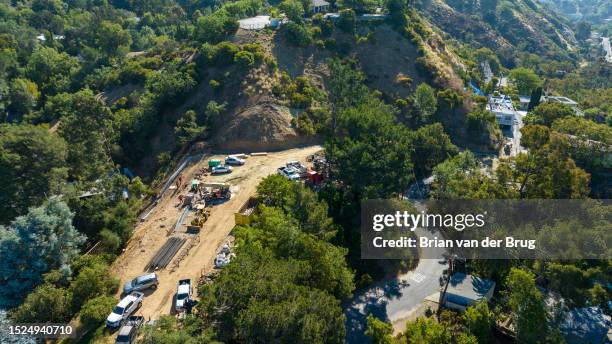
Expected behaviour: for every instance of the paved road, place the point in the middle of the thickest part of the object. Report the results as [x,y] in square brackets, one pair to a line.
[393,299]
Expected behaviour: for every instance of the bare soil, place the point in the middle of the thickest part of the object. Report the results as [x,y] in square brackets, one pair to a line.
[151,234]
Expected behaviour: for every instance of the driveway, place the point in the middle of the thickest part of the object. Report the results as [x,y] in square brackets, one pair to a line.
[394,299]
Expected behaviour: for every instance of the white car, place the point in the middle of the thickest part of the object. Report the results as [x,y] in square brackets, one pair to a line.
[289,172]
[221,169]
[234,160]
[183,294]
[124,309]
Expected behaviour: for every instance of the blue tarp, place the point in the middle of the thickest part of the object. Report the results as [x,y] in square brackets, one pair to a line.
[476,89]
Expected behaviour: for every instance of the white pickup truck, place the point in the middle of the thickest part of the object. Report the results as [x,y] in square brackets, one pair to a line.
[183,295]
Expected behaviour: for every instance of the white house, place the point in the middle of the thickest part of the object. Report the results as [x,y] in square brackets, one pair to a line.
[319,6]
[504,111]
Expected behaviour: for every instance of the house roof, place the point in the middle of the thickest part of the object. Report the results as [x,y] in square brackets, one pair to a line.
[319,3]
[468,286]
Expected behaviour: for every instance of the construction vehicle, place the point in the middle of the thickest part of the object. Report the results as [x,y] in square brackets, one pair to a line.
[245,215]
[216,192]
[201,215]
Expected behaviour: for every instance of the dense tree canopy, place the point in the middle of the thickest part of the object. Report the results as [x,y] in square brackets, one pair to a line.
[32,167]
[33,244]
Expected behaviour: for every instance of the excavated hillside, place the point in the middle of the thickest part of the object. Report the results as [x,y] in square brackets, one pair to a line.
[255,119]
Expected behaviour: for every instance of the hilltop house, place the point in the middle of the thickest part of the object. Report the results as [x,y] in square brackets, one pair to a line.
[504,111]
[464,290]
[319,6]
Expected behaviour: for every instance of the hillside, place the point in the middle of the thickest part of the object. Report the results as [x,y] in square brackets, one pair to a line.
[592,11]
[507,27]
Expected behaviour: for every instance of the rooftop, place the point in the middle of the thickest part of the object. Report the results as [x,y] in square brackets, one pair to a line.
[319,3]
[468,286]
[254,23]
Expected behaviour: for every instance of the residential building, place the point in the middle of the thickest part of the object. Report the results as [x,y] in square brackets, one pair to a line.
[464,290]
[504,111]
[319,6]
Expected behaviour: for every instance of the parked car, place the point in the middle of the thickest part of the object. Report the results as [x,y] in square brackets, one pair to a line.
[221,169]
[183,294]
[234,160]
[299,168]
[129,331]
[141,283]
[289,172]
[126,307]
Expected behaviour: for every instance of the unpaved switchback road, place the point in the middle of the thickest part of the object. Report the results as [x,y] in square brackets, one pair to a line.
[151,234]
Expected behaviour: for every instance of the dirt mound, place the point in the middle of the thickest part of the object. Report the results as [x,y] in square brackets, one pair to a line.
[260,127]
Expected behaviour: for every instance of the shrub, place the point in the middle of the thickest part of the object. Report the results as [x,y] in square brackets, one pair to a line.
[95,310]
[347,21]
[297,34]
[92,281]
[47,303]
[244,59]
[110,241]
[225,53]
[214,84]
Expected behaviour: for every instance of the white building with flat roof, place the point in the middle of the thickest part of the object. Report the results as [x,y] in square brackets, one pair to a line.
[504,111]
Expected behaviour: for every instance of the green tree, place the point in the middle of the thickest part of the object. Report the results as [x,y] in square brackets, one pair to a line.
[214,28]
[378,331]
[112,38]
[42,240]
[47,303]
[583,30]
[88,131]
[431,147]
[293,9]
[32,167]
[297,34]
[371,153]
[425,102]
[244,59]
[23,97]
[397,11]
[92,281]
[274,191]
[347,21]
[186,128]
[546,170]
[359,6]
[464,338]
[527,305]
[213,111]
[479,321]
[547,113]
[95,311]
[258,298]
[426,331]
[461,177]
[525,80]
[534,101]
[51,70]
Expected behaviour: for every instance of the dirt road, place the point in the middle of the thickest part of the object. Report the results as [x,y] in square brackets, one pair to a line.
[151,234]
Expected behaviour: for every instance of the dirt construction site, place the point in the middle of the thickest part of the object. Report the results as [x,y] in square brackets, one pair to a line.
[195,254]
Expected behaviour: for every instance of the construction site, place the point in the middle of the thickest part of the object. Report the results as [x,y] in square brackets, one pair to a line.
[186,232]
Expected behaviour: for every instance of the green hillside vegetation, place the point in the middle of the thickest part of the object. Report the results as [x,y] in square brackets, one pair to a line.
[90,88]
